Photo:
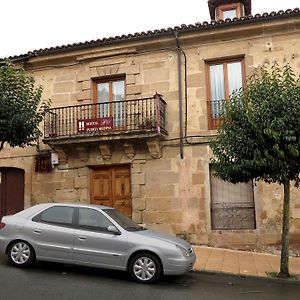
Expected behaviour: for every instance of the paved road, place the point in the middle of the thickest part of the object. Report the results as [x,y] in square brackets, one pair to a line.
[54,281]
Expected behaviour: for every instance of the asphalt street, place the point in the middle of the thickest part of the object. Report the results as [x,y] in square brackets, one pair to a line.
[56,281]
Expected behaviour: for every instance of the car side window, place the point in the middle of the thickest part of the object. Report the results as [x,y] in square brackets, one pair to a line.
[93,220]
[59,215]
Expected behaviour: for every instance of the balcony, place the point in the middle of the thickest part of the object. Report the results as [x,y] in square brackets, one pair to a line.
[118,120]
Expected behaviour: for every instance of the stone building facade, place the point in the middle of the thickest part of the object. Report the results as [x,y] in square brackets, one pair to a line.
[148,105]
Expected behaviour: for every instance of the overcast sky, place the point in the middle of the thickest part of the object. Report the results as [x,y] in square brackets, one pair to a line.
[26,25]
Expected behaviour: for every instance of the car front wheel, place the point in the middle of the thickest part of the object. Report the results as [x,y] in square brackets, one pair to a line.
[145,268]
[20,254]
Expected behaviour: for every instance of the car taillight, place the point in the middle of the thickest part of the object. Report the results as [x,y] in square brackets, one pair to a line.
[2,225]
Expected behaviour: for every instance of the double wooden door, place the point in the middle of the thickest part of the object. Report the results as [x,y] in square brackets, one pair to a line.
[11,191]
[111,186]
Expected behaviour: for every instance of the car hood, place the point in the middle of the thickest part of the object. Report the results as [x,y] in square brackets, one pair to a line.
[164,237]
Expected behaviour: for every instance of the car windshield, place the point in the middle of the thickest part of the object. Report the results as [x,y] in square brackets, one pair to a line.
[122,220]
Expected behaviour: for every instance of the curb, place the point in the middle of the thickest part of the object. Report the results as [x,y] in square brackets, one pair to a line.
[245,276]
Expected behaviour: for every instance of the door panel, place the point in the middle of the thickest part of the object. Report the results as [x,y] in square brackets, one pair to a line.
[112,186]
[51,241]
[101,249]
[11,191]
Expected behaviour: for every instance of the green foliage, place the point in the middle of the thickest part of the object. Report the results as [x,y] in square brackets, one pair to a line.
[259,136]
[21,108]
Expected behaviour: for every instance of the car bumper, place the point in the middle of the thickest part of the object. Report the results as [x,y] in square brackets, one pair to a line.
[178,266]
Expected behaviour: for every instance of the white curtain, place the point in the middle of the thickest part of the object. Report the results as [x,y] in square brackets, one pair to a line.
[217,89]
[103,99]
[235,79]
[118,107]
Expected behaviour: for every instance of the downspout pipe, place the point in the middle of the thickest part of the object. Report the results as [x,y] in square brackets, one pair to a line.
[179,69]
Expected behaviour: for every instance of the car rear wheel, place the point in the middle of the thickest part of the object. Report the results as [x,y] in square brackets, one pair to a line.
[145,268]
[21,254]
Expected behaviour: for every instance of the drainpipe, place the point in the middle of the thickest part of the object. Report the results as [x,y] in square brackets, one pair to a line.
[179,94]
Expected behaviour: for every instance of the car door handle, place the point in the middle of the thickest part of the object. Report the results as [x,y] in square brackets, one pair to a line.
[37,231]
[82,238]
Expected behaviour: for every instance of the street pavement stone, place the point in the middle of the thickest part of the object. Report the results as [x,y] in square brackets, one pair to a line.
[241,262]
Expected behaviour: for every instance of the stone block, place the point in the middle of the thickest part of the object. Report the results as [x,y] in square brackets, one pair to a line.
[194,80]
[65,77]
[133,89]
[133,69]
[83,171]
[63,87]
[153,65]
[80,182]
[85,85]
[138,178]
[198,178]
[84,76]
[66,195]
[156,75]
[138,203]
[136,168]
[137,216]
[130,79]
[160,87]
[136,191]
[84,95]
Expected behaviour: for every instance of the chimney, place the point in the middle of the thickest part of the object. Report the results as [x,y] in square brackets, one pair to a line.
[223,9]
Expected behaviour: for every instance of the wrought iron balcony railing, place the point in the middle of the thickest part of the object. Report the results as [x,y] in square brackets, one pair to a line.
[130,116]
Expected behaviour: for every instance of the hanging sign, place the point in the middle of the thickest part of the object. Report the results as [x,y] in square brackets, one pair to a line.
[95,124]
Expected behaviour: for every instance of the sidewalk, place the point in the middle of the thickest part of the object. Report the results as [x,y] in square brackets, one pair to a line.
[240,262]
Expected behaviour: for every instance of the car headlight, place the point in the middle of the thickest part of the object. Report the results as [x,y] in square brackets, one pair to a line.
[183,251]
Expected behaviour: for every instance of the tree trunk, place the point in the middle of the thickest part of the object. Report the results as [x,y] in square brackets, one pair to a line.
[284,262]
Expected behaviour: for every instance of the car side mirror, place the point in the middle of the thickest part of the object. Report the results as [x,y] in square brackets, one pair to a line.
[113,229]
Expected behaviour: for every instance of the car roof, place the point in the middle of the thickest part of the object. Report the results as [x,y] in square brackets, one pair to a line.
[39,207]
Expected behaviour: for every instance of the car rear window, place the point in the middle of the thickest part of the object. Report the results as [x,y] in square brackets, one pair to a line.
[61,215]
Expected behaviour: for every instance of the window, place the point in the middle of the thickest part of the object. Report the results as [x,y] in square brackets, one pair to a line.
[230,11]
[110,96]
[224,77]
[91,219]
[60,215]
[232,205]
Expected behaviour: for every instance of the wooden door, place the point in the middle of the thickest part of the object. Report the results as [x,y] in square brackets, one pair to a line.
[111,186]
[11,191]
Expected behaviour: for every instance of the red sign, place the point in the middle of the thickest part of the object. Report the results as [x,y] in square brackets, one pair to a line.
[95,124]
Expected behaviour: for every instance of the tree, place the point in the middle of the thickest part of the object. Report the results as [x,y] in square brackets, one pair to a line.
[21,108]
[259,138]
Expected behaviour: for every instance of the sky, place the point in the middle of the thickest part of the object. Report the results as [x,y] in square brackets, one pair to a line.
[27,25]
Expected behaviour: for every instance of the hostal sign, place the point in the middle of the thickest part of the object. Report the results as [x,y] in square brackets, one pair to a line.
[95,124]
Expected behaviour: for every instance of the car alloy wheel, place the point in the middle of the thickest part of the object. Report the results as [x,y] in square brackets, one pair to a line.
[145,268]
[20,254]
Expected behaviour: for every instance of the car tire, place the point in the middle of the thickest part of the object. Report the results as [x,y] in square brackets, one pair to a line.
[20,254]
[145,267]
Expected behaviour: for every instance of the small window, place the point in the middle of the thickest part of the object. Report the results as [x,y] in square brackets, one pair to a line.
[60,215]
[225,77]
[230,11]
[91,219]
[232,205]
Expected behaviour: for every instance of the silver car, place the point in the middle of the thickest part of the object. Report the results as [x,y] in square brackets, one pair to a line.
[92,235]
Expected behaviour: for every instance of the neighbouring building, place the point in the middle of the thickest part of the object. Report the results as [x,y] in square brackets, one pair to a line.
[130,123]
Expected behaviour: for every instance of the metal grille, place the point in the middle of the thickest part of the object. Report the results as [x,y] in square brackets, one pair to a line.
[232,205]
[147,114]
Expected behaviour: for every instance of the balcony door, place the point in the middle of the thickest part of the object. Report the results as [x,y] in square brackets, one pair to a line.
[110,96]
[110,186]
